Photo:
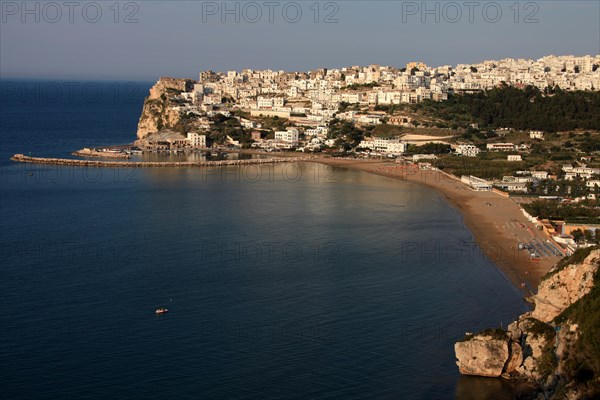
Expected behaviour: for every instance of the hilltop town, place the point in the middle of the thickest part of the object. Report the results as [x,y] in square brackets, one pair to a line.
[310,101]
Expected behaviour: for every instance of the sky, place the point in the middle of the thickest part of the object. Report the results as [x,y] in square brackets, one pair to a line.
[143,40]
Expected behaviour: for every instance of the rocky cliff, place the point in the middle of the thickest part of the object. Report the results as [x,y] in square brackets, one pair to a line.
[160,107]
[555,345]
[485,354]
[563,287]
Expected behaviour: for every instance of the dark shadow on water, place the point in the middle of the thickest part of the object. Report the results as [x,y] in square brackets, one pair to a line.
[479,388]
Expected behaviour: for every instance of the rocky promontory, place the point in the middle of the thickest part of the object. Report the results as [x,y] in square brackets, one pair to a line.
[485,354]
[161,109]
[555,346]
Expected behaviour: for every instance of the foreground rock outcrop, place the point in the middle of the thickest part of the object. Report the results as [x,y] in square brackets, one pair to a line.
[517,352]
[547,346]
[482,355]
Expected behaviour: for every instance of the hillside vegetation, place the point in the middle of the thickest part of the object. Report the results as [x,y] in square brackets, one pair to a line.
[523,109]
[582,364]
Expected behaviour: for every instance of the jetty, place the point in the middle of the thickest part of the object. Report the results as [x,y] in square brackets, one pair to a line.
[149,164]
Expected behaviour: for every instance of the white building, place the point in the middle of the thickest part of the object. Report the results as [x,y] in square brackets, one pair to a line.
[264,102]
[513,186]
[567,167]
[369,119]
[592,184]
[500,146]
[467,150]
[246,123]
[396,148]
[419,157]
[211,99]
[582,172]
[318,131]
[291,135]
[514,157]
[536,135]
[539,174]
[196,140]
[386,145]
[477,184]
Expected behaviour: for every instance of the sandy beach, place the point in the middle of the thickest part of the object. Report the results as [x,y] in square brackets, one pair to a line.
[497,223]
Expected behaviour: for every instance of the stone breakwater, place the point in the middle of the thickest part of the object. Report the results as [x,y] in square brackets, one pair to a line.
[150,164]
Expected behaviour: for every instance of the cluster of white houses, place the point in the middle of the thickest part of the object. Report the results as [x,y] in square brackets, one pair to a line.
[313,98]
[281,91]
[582,172]
[508,183]
[522,179]
[568,72]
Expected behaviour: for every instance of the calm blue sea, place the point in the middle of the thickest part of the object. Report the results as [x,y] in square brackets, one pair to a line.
[282,282]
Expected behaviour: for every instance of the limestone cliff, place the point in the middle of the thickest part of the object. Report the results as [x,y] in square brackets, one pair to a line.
[160,107]
[563,287]
[556,344]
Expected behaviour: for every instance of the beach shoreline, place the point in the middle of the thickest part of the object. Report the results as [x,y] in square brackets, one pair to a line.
[496,222]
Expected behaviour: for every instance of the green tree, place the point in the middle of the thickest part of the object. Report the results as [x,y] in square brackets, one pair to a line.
[578,235]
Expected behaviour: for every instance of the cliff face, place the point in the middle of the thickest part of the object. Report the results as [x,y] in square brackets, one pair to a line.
[155,117]
[158,112]
[547,345]
[565,287]
[534,338]
[517,352]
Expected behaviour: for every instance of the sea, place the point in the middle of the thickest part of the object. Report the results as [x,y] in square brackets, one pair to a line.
[288,281]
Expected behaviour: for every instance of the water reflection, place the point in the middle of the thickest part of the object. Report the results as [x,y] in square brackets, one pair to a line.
[479,388]
[193,156]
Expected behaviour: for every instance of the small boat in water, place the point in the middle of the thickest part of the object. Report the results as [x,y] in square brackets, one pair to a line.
[161,310]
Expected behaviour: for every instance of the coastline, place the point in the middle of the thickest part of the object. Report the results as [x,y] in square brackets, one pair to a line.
[496,222]
[496,227]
